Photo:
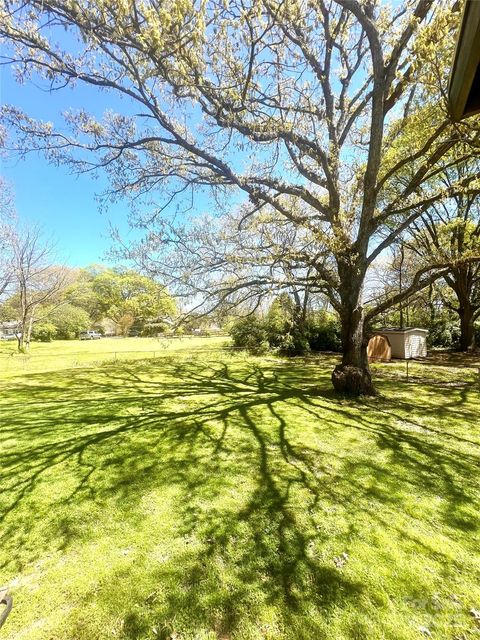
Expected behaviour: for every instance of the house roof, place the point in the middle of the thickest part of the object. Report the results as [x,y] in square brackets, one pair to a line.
[464,84]
[12,324]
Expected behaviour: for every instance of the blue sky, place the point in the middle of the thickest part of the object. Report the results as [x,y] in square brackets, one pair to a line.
[63,204]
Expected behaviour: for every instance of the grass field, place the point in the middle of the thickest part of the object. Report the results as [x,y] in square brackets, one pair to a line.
[202,494]
[67,354]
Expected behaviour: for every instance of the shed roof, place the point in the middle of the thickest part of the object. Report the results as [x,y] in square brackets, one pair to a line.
[404,330]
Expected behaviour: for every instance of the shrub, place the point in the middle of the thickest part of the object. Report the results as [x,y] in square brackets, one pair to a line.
[294,343]
[444,334]
[285,332]
[153,329]
[250,334]
[324,332]
[125,323]
[320,332]
[477,334]
[44,331]
[69,320]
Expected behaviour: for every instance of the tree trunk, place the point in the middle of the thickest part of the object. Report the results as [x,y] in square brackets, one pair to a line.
[26,331]
[29,331]
[24,317]
[461,284]
[467,331]
[21,337]
[431,306]
[353,375]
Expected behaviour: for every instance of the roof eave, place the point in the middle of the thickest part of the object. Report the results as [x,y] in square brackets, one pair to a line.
[464,84]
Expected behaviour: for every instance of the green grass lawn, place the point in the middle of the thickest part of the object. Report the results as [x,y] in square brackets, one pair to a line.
[203,494]
[67,354]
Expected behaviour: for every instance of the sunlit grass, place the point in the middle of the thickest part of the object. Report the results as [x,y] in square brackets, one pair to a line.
[66,354]
[211,495]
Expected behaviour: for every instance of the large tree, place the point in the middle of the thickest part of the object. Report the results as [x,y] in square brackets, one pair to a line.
[284,101]
[451,230]
[126,296]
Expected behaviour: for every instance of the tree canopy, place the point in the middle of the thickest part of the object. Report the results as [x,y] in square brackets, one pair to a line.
[125,296]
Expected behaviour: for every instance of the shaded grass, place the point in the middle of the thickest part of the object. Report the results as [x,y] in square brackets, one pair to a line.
[198,496]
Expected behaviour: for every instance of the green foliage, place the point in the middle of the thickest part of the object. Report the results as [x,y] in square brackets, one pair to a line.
[443,333]
[125,295]
[280,331]
[429,313]
[152,329]
[9,309]
[250,334]
[476,329]
[293,343]
[44,331]
[324,332]
[125,322]
[69,320]
[81,294]
[281,315]
[285,329]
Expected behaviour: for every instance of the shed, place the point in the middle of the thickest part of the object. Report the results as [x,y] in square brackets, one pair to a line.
[379,349]
[407,343]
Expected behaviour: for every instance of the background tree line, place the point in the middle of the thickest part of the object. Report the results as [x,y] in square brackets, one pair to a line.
[42,300]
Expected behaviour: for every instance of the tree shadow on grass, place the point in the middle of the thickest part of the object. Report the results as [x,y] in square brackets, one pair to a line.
[250,451]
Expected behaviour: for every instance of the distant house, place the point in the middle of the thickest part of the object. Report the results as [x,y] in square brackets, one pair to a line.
[464,85]
[406,343]
[10,328]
